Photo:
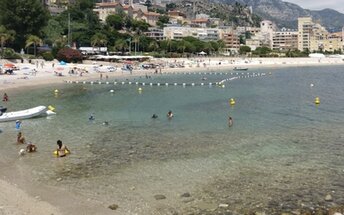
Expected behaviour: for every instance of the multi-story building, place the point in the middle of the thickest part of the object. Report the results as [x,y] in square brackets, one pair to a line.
[314,37]
[232,41]
[155,33]
[305,26]
[136,11]
[177,33]
[285,40]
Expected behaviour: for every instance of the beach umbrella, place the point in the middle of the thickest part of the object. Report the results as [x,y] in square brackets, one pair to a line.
[202,53]
[63,63]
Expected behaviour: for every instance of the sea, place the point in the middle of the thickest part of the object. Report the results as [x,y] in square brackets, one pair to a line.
[282,153]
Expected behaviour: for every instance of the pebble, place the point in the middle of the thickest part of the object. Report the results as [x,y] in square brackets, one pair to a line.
[223,205]
[59,179]
[185,195]
[187,200]
[113,206]
[337,213]
[159,197]
[328,198]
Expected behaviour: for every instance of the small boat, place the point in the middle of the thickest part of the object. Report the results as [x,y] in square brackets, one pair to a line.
[240,68]
[23,114]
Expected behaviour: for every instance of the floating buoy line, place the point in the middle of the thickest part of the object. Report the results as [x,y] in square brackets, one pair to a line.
[219,83]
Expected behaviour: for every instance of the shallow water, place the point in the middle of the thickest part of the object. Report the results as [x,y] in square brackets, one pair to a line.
[283,152]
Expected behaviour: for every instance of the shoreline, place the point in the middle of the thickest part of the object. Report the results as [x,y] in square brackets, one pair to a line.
[18,198]
[43,78]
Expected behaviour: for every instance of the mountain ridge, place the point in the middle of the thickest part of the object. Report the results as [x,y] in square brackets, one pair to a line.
[285,14]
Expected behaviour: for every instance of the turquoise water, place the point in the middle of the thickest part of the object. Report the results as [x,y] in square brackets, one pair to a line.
[283,150]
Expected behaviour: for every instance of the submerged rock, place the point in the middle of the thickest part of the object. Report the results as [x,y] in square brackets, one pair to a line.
[159,197]
[328,198]
[113,206]
[207,206]
[185,195]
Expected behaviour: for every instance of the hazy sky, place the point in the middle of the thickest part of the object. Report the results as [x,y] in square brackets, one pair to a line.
[320,4]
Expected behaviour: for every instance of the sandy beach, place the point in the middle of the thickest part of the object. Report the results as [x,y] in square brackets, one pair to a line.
[16,198]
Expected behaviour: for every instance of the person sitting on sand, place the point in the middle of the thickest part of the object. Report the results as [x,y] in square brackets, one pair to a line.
[31,147]
[170,114]
[20,138]
[61,149]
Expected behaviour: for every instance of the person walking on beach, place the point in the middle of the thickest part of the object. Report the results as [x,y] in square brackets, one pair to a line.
[61,149]
[5,98]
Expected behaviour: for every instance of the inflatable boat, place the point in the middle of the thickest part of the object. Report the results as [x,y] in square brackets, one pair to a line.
[23,114]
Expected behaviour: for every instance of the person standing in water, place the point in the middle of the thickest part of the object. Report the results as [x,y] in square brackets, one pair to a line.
[230,121]
[170,114]
[5,98]
[61,149]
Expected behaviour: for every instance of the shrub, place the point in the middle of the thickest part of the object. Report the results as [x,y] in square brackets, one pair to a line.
[69,55]
[11,54]
[48,56]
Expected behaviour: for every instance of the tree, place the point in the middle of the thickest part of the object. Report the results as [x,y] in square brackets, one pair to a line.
[33,40]
[98,39]
[5,36]
[52,31]
[115,21]
[221,45]
[25,17]
[153,46]
[162,20]
[136,41]
[69,55]
[244,49]
[121,45]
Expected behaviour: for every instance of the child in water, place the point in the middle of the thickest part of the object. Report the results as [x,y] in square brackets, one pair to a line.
[170,114]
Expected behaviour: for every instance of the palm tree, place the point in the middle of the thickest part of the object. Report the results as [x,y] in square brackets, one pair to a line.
[33,40]
[169,43]
[98,40]
[136,40]
[208,47]
[153,46]
[121,45]
[5,36]
[221,45]
[60,42]
[181,46]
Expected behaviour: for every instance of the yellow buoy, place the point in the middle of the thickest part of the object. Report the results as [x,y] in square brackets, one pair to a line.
[232,101]
[56,91]
[317,100]
[140,89]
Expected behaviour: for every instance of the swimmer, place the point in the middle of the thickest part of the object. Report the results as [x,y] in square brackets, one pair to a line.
[154,116]
[5,98]
[105,123]
[20,138]
[31,147]
[91,118]
[230,121]
[18,124]
[170,114]
[61,149]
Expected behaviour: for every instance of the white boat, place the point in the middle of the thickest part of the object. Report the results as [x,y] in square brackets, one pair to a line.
[23,114]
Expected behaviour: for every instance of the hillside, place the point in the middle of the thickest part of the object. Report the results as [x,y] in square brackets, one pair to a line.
[285,14]
[235,14]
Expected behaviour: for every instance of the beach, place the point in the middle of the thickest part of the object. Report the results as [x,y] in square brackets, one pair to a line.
[22,195]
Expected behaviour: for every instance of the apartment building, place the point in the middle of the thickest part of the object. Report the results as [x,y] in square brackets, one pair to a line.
[285,40]
[178,33]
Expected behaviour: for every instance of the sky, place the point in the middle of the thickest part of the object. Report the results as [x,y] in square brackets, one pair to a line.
[320,4]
